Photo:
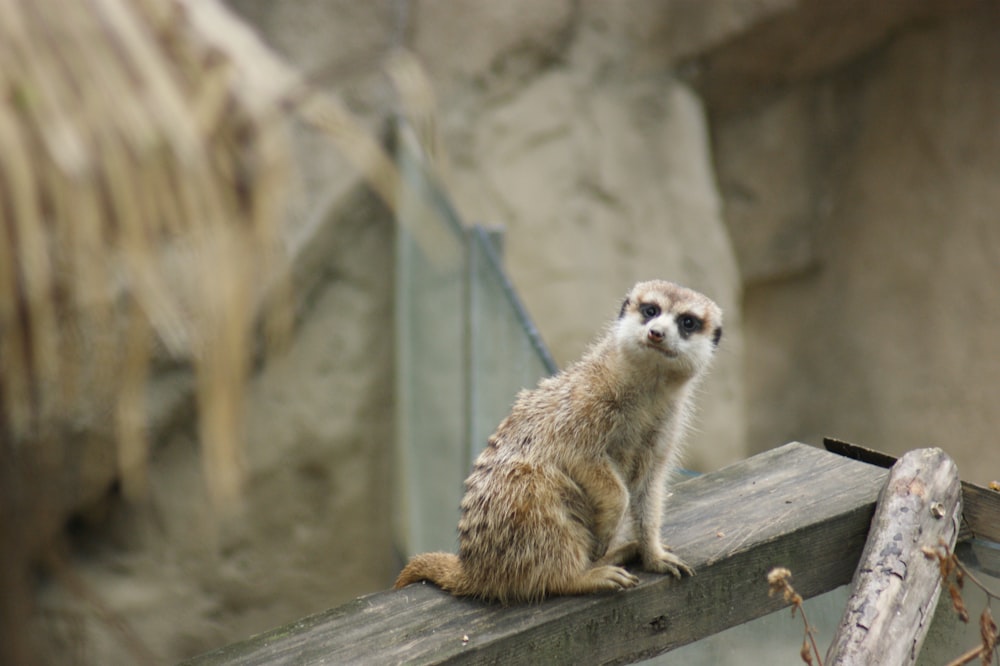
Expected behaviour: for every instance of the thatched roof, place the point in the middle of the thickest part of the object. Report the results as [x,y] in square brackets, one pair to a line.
[142,165]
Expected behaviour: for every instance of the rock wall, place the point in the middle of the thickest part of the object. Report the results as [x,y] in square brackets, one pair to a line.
[862,203]
[602,176]
[824,170]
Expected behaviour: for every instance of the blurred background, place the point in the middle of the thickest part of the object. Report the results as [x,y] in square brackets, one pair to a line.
[828,172]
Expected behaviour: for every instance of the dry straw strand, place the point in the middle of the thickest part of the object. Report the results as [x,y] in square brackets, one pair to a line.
[142,180]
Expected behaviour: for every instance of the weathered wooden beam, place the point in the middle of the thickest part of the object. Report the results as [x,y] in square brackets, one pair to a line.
[896,587]
[980,512]
[980,506]
[795,506]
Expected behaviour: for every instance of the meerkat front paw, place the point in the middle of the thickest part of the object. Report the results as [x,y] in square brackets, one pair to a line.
[661,560]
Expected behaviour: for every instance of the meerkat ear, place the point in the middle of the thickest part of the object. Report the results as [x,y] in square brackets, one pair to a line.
[716,336]
[621,313]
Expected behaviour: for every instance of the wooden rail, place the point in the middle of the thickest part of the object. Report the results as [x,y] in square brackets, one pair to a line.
[796,506]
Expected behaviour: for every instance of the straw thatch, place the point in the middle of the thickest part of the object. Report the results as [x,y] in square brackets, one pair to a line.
[142,167]
[141,173]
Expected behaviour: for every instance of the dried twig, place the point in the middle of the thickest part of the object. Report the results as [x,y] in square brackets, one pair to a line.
[779,582]
[950,565]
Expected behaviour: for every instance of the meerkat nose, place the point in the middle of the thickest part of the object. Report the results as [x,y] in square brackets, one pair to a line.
[655,335]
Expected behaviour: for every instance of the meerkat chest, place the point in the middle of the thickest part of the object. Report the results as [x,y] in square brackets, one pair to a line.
[639,450]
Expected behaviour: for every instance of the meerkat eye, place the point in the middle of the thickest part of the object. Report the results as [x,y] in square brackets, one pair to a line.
[688,324]
[649,310]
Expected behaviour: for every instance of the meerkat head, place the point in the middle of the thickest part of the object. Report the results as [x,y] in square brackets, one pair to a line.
[661,322]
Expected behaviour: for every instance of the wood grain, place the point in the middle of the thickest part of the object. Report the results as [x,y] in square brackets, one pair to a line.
[896,586]
[795,506]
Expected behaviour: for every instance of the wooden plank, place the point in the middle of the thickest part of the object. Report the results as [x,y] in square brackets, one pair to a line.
[980,506]
[895,588]
[858,452]
[981,511]
[796,506]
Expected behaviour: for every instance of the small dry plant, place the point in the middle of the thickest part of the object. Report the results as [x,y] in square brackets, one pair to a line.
[954,574]
[779,582]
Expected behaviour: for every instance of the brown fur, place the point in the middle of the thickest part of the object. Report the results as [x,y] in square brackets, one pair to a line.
[570,486]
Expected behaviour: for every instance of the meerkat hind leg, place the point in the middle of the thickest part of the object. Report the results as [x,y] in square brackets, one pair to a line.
[601,578]
[629,551]
[663,562]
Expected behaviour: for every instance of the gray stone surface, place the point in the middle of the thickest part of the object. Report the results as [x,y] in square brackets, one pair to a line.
[890,338]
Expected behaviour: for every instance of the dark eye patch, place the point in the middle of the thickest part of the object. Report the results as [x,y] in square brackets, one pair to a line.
[649,311]
[688,324]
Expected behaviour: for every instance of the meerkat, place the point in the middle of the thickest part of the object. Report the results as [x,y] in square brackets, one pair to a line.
[570,487]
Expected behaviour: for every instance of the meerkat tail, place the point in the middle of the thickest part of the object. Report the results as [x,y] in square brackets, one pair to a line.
[442,569]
